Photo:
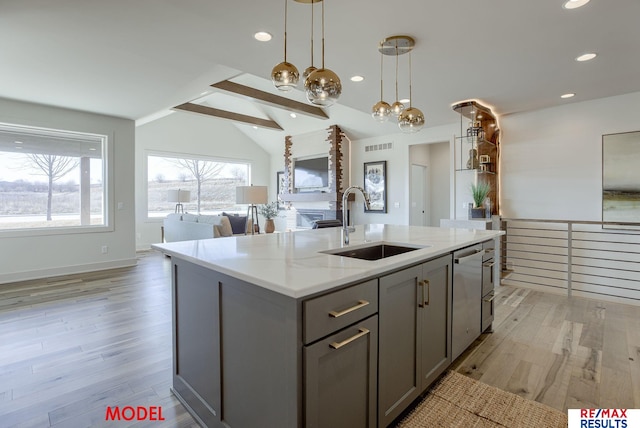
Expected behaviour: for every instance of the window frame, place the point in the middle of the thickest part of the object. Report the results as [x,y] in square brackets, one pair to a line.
[107,154]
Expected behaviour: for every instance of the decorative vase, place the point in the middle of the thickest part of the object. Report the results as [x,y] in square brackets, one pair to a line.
[269,225]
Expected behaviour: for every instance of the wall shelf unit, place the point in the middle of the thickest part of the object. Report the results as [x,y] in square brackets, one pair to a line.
[477,151]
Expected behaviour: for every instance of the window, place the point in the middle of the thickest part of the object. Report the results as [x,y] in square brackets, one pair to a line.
[211,183]
[51,179]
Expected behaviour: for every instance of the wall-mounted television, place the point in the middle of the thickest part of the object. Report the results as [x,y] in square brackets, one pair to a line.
[311,173]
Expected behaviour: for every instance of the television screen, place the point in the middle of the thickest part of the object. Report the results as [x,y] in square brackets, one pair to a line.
[311,173]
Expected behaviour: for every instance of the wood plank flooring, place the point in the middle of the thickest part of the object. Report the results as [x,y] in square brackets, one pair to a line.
[71,346]
[564,352]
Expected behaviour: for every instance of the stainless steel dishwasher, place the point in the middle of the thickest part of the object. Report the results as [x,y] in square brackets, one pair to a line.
[467,296]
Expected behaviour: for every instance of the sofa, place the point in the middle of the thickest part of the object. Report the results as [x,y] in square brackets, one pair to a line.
[185,227]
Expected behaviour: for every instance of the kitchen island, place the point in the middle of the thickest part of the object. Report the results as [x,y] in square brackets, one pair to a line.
[276,331]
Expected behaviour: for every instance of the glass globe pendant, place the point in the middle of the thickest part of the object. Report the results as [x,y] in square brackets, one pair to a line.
[396,109]
[323,86]
[381,111]
[285,76]
[411,120]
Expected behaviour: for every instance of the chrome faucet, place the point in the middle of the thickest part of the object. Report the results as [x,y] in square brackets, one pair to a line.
[345,223]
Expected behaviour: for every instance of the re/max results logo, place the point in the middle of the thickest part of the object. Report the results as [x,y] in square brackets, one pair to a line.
[604,418]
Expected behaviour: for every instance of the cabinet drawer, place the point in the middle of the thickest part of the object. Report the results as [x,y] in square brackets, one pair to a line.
[331,312]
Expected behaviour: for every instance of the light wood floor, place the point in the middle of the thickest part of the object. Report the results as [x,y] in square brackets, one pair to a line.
[70,347]
[566,353]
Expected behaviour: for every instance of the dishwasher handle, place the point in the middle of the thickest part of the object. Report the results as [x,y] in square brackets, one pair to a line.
[466,259]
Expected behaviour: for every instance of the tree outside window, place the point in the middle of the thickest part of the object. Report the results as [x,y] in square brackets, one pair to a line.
[212,183]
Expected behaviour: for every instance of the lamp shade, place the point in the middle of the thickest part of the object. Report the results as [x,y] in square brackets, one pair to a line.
[178,196]
[251,195]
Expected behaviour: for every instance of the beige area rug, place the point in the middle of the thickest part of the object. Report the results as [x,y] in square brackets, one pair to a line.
[459,401]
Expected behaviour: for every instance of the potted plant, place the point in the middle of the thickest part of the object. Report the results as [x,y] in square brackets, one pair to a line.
[269,212]
[479,193]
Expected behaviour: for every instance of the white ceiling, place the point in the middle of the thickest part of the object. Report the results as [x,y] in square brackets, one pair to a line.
[136,58]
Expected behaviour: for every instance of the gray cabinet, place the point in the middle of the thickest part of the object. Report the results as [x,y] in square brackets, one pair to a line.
[414,334]
[341,358]
[235,349]
[340,380]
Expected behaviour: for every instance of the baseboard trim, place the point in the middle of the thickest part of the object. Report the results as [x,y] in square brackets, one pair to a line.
[65,270]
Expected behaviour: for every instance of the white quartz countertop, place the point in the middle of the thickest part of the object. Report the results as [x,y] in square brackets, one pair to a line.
[291,263]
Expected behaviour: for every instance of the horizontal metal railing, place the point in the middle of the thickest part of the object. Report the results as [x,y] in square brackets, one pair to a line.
[583,258]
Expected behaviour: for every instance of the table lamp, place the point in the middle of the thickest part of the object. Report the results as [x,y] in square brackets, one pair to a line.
[251,195]
[179,196]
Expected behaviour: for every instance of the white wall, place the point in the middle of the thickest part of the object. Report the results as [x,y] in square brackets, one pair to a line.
[398,171]
[184,132]
[551,159]
[28,257]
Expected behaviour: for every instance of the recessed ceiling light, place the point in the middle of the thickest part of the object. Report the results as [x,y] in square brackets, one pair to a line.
[293,115]
[569,95]
[262,36]
[357,78]
[18,142]
[405,100]
[586,57]
[254,127]
[574,4]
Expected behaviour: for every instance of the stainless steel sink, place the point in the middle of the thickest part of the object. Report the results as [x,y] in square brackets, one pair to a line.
[373,252]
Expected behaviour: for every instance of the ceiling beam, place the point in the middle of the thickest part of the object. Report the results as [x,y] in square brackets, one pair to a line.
[270,99]
[224,114]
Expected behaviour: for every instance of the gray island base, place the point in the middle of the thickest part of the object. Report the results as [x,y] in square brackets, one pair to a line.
[271,331]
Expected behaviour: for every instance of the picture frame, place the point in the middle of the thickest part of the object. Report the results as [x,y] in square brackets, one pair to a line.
[375,184]
[620,181]
[280,188]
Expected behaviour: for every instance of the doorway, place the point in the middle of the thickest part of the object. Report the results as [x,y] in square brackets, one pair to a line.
[429,183]
[418,213]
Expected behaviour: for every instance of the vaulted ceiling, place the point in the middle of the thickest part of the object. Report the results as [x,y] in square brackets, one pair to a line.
[135,59]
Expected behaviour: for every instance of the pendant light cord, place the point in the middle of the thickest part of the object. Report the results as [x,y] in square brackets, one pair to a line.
[322,33]
[285,30]
[396,71]
[410,96]
[312,7]
[381,94]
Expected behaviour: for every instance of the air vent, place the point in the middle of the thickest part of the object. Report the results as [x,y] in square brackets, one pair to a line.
[376,147]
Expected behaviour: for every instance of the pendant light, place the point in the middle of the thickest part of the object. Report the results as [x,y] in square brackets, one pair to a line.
[323,86]
[411,120]
[285,76]
[311,68]
[381,110]
[397,107]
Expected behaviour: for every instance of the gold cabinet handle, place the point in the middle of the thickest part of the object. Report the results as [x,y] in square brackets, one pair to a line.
[422,285]
[428,284]
[338,345]
[361,304]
